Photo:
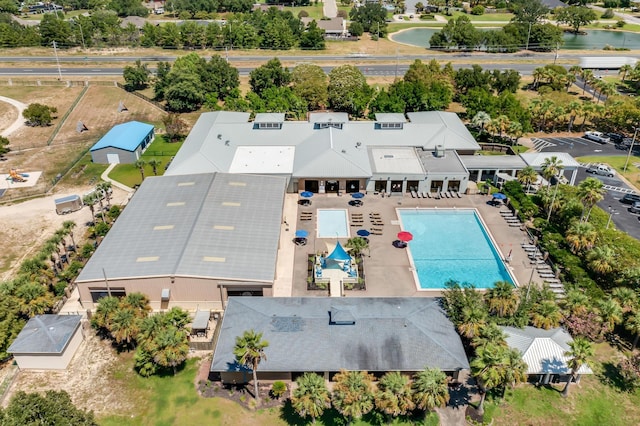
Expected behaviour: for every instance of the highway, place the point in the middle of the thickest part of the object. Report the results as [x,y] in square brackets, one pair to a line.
[381,70]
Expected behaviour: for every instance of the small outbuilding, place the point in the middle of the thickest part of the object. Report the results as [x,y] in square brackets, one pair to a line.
[68,204]
[124,143]
[47,342]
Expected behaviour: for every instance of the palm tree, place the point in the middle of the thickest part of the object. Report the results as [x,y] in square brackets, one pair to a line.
[481,119]
[140,165]
[137,301]
[502,124]
[546,314]
[430,389]
[489,368]
[580,353]
[352,395]
[124,326]
[573,108]
[473,318]
[515,131]
[90,200]
[556,113]
[150,327]
[587,76]
[610,312]
[515,368]
[311,397]
[576,302]
[591,191]
[105,188]
[34,299]
[502,300]
[588,109]
[624,70]
[394,397]
[154,163]
[632,324]
[489,334]
[528,176]
[356,245]
[69,225]
[170,347]
[627,298]
[581,236]
[551,167]
[249,351]
[107,306]
[601,259]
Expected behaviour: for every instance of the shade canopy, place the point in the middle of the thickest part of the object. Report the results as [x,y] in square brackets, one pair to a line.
[306,194]
[357,195]
[405,236]
[339,253]
[499,196]
[363,233]
[301,233]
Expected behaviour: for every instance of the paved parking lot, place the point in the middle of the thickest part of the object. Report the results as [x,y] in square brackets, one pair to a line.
[579,147]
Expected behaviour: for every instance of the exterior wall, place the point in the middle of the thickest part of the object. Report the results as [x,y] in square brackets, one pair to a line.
[185,292]
[51,361]
[342,184]
[247,376]
[100,156]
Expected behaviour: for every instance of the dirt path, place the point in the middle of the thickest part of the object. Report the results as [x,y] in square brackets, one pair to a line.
[19,122]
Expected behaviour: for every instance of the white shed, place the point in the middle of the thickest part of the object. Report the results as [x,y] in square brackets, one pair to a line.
[47,342]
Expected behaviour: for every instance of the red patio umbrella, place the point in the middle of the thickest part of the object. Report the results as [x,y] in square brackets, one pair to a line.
[405,236]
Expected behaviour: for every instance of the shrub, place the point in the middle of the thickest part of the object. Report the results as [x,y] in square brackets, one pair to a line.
[39,115]
[58,288]
[427,17]
[620,24]
[608,14]
[630,371]
[356,29]
[477,10]
[303,14]
[278,389]
[343,14]
[609,4]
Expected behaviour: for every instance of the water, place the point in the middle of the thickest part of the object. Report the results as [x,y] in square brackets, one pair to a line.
[332,223]
[452,245]
[594,39]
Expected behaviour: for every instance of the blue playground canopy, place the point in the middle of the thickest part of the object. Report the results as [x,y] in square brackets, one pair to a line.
[339,253]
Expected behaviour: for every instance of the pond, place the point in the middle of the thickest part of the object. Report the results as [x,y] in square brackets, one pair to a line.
[594,39]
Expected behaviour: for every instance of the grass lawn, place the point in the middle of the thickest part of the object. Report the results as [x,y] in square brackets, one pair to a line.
[314,11]
[491,17]
[160,149]
[617,162]
[86,172]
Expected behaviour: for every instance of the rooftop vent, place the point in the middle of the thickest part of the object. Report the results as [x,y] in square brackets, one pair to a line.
[339,316]
[439,151]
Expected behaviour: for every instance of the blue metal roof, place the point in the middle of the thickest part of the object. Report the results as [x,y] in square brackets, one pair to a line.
[125,136]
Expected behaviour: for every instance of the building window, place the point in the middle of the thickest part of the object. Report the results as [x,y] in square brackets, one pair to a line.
[270,126]
[390,126]
[327,125]
[99,293]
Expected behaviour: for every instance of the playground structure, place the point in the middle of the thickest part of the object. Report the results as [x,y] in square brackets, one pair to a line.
[14,176]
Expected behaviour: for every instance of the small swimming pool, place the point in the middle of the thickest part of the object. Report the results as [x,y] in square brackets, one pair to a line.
[332,223]
[454,245]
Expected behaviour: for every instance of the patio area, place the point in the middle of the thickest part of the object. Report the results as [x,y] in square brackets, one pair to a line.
[387,269]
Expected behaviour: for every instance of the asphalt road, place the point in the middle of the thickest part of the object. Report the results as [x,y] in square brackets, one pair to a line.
[368,70]
[580,147]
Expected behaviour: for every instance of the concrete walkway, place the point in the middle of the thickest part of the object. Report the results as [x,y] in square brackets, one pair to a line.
[19,122]
[282,286]
[105,176]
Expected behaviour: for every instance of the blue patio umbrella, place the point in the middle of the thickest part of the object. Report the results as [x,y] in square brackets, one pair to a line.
[306,194]
[363,233]
[301,233]
[499,196]
[357,195]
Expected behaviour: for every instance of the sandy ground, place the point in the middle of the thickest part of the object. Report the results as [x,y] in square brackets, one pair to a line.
[25,226]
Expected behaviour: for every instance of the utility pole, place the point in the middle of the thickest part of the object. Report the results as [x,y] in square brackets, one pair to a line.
[81,34]
[633,141]
[557,50]
[528,36]
[55,51]
[396,75]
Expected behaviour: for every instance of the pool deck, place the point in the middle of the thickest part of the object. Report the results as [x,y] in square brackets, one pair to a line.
[387,269]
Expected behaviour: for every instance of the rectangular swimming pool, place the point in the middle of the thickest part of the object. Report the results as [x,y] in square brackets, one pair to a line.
[332,223]
[452,244]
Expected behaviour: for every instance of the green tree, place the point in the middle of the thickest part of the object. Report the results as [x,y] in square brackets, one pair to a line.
[502,299]
[394,396]
[4,146]
[581,236]
[136,77]
[352,394]
[348,90]
[546,314]
[610,312]
[311,397]
[249,351]
[601,259]
[154,163]
[575,16]
[170,347]
[529,11]
[551,168]
[52,408]
[175,127]
[271,74]
[124,326]
[220,77]
[591,191]
[186,93]
[473,318]
[53,28]
[309,82]
[139,164]
[161,80]
[39,115]
[357,245]
[580,354]
[528,176]
[458,33]
[128,8]
[313,37]
[430,389]
[372,17]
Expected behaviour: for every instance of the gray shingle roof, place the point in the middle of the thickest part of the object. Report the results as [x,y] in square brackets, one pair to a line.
[542,350]
[329,152]
[45,334]
[405,334]
[206,225]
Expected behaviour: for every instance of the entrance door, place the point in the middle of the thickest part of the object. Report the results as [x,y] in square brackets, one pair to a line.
[381,186]
[454,185]
[311,186]
[396,186]
[436,185]
[113,158]
[412,185]
[332,186]
[353,186]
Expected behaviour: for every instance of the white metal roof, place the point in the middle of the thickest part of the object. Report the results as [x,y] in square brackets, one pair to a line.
[536,159]
[263,160]
[396,160]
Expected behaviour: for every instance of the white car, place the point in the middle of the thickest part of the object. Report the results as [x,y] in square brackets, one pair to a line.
[601,169]
[597,136]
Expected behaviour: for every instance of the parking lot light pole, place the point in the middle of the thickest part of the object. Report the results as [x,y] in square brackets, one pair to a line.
[612,211]
[633,141]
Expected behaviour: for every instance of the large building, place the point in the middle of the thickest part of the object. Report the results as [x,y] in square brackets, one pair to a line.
[325,335]
[191,241]
[328,153]
[124,143]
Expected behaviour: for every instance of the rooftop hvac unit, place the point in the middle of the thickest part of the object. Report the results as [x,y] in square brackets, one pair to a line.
[439,151]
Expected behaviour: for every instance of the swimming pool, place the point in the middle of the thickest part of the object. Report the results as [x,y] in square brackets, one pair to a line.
[332,223]
[452,245]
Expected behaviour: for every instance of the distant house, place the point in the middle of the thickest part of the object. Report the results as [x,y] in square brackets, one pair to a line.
[47,342]
[324,335]
[552,4]
[333,28]
[124,143]
[544,352]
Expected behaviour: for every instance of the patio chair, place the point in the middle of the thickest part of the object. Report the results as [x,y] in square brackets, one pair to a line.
[377,229]
[426,194]
[376,232]
[413,194]
[458,194]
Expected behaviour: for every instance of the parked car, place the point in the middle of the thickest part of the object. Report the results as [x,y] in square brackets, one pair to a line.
[597,136]
[601,169]
[615,137]
[630,198]
[635,207]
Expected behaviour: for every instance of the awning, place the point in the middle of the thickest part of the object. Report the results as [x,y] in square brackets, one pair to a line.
[201,320]
[339,253]
[165,295]
[506,177]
